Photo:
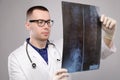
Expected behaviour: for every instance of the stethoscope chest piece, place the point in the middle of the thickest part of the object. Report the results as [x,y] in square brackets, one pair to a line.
[34,65]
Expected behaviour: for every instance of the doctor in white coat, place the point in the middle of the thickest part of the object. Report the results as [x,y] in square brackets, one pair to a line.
[38,59]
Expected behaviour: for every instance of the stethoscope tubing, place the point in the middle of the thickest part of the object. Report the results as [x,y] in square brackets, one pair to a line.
[34,64]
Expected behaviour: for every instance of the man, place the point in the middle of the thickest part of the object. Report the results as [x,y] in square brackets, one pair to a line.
[37,58]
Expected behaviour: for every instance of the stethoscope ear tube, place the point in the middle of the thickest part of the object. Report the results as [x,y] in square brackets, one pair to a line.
[33,64]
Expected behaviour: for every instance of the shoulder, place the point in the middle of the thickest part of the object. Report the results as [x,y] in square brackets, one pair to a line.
[58,42]
[19,52]
[59,45]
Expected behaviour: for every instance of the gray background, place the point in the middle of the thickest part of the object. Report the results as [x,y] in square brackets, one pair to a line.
[13,33]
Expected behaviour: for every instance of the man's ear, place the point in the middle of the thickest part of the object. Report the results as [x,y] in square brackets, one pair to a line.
[27,25]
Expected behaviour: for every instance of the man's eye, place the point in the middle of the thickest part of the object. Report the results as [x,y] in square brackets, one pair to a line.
[48,22]
[40,22]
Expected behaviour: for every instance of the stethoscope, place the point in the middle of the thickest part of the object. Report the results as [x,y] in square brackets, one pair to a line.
[34,64]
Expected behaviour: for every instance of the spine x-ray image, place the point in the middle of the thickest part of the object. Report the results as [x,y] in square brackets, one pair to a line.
[81,37]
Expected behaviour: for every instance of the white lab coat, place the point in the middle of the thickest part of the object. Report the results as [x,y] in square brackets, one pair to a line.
[20,67]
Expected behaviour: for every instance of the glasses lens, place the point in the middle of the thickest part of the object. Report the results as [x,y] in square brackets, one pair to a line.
[41,23]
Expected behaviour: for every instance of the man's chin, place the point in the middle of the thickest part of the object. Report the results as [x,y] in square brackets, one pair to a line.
[44,39]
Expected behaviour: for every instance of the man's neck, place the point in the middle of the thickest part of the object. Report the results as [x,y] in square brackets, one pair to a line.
[38,43]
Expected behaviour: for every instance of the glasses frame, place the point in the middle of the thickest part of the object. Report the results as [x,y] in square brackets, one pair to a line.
[49,22]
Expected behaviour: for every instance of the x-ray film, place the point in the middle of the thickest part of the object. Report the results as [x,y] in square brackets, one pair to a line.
[81,37]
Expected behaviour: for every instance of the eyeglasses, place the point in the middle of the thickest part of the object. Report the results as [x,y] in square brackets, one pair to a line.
[42,22]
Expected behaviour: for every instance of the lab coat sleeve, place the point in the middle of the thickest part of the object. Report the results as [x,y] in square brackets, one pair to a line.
[15,72]
[105,51]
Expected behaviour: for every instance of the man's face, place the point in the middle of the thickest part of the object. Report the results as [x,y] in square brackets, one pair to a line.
[36,31]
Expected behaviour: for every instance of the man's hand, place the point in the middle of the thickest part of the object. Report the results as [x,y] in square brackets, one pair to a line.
[109,26]
[61,74]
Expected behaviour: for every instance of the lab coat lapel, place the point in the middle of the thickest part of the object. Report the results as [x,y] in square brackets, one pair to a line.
[53,55]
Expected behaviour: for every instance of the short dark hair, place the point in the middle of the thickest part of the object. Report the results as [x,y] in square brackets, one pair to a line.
[30,10]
